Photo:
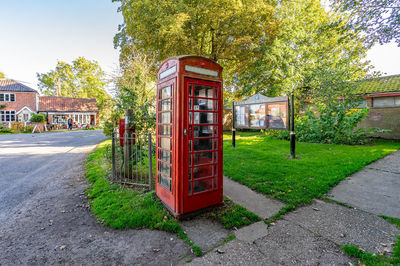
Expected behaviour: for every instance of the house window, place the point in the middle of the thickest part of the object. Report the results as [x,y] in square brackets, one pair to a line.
[7,116]
[386,101]
[7,97]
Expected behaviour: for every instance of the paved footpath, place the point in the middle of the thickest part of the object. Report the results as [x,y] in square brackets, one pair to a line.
[310,235]
[375,189]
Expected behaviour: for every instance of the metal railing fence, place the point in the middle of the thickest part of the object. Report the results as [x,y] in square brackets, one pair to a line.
[132,159]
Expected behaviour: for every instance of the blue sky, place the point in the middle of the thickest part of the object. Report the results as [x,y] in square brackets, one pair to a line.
[37,33]
[34,34]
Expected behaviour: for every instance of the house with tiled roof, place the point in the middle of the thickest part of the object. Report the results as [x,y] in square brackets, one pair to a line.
[59,109]
[22,101]
[382,95]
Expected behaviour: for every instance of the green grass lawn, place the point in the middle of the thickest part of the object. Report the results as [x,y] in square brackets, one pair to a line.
[260,162]
[121,208]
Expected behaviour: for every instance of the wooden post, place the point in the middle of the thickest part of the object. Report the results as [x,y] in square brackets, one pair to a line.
[113,155]
[128,141]
[150,163]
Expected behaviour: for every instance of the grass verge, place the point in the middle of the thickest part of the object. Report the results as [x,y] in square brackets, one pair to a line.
[368,258]
[260,162]
[123,208]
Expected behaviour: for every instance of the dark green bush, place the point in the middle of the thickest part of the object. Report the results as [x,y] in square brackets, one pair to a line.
[330,124]
[4,129]
[108,127]
[38,118]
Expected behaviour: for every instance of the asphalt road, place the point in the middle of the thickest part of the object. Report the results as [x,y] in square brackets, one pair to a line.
[29,161]
[44,213]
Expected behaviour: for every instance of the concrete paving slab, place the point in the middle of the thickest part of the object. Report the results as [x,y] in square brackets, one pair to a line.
[344,225]
[286,243]
[252,232]
[390,163]
[371,190]
[251,200]
[205,233]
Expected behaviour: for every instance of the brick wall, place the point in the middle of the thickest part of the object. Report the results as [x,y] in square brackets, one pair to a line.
[21,99]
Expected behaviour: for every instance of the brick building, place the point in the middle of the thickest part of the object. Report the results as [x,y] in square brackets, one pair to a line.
[382,95]
[59,109]
[21,102]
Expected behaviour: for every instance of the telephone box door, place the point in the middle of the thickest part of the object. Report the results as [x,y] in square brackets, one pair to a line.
[203,139]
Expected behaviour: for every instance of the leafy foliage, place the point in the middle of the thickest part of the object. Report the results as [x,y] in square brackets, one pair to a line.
[2,75]
[335,123]
[108,127]
[314,55]
[227,31]
[4,129]
[81,79]
[378,19]
[135,88]
[38,118]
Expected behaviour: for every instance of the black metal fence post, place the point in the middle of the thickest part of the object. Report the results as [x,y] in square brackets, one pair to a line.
[233,126]
[113,154]
[150,163]
[292,133]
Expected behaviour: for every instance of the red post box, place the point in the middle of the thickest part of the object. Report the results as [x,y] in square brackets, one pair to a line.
[121,128]
[189,134]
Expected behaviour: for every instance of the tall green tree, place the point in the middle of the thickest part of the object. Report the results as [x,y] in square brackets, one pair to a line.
[227,31]
[135,87]
[379,19]
[314,54]
[81,79]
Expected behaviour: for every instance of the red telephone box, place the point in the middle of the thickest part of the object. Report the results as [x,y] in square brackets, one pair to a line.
[189,134]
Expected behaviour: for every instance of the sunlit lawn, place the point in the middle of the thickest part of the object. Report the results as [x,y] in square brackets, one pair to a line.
[261,163]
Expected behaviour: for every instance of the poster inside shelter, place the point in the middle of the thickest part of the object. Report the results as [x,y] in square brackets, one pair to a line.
[277,115]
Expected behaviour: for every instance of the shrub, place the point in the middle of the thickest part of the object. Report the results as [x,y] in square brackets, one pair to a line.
[38,118]
[108,127]
[4,129]
[331,124]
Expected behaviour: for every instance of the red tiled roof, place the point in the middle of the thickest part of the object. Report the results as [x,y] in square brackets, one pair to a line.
[65,104]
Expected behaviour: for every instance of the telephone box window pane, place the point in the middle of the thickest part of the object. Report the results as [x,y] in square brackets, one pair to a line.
[202,158]
[164,156]
[164,130]
[203,91]
[165,143]
[165,105]
[202,185]
[190,188]
[164,169]
[165,92]
[215,144]
[203,118]
[202,131]
[165,118]
[203,171]
[202,144]
[165,182]
[190,90]
[203,105]
[215,182]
